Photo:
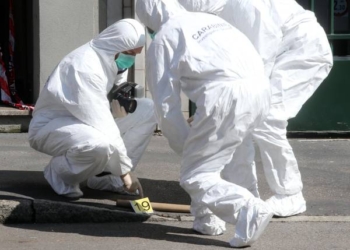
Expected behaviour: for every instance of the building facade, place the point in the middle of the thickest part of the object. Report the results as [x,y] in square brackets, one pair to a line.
[47,30]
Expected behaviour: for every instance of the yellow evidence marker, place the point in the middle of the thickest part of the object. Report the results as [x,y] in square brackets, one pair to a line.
[142,206]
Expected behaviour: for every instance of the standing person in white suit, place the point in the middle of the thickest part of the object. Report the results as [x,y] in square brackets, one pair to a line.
[297,58]
[74,122]
[218,69]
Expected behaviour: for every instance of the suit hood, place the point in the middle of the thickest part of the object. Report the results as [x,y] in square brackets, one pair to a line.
[154,13]
[208,6]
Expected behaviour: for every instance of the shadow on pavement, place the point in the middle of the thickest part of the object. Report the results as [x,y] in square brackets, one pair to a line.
[136,231]
[32,185]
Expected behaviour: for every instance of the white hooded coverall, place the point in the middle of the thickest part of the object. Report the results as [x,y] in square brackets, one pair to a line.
[72,120]
[216,66]
[297,58]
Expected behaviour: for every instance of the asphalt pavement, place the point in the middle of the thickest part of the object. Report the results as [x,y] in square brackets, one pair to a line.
[25,196]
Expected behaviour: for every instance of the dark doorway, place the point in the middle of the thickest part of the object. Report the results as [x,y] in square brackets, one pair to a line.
[23,56]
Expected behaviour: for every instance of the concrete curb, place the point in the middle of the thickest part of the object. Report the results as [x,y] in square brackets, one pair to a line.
[14,120]
[45,211]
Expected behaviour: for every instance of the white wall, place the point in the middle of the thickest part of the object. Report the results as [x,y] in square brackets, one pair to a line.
[61,27]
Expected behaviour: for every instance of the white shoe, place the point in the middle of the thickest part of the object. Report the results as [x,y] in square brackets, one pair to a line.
[75,193]
[209,224]
[287,205]
[59,186]
[108,182]
[252,220]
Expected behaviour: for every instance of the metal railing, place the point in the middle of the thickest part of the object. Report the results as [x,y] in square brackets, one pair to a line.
[332,35]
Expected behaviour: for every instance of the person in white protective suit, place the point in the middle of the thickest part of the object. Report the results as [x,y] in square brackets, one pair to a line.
[217,67]
[297,58]
[74,122]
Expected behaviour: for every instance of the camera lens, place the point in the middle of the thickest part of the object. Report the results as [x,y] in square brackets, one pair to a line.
[132,106]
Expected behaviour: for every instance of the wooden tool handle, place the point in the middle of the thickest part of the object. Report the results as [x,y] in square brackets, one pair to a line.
[168,207]
[163,207]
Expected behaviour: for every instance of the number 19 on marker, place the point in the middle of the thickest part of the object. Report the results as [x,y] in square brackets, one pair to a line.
[142,206]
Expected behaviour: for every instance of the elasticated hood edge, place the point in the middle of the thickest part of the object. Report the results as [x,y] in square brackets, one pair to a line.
[123,35]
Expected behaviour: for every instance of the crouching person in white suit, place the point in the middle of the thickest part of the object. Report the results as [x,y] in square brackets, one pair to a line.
[85,134]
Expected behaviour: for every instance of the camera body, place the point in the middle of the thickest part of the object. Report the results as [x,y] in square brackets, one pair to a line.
[125,93]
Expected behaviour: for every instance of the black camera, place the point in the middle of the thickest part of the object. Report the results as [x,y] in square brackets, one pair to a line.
[125,94]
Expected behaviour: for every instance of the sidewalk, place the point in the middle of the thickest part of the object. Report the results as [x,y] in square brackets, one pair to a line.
[25,196]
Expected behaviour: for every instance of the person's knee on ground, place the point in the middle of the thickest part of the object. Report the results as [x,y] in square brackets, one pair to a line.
[65,172]
[57,183]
